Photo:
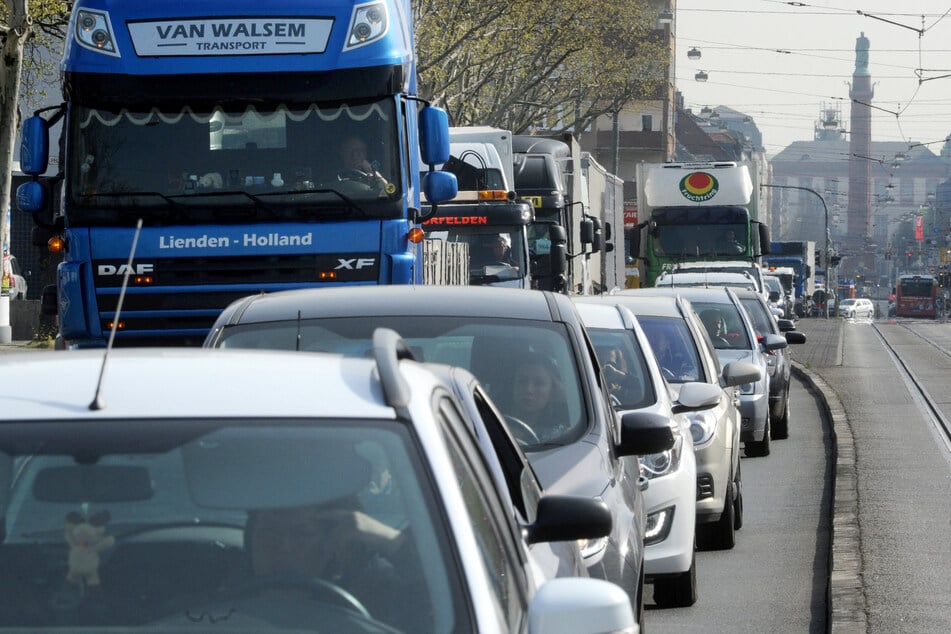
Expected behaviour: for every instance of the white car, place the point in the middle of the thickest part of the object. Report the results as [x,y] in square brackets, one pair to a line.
[262,490]
[636,384]
[18,287]
[856,308]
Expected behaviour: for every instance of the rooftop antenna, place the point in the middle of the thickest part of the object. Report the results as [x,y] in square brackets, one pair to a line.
[97,403]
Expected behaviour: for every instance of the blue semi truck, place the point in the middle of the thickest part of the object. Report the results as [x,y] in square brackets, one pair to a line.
[799,256]
[223,127]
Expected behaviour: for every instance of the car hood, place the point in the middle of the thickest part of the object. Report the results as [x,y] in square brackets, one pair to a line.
[581,468]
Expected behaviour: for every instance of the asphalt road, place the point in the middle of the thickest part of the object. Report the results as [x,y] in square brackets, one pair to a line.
[776,577]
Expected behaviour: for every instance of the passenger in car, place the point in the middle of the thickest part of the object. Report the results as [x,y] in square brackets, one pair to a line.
[538,397]
[713,321]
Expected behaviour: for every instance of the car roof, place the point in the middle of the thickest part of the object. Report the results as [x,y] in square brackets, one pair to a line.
[448,301]
[641,303]
[714,294]
[745,292]
[190,382]
[600,315]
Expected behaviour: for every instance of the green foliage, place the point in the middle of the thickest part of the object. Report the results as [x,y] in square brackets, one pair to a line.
[515,63]
[42,47]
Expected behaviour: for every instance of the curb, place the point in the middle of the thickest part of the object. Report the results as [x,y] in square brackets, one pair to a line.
[846,592]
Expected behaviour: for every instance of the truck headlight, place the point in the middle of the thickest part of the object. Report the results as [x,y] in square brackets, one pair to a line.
[368,23]
[94,31]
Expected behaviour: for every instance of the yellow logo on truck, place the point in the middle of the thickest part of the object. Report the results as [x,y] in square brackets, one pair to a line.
[699,186]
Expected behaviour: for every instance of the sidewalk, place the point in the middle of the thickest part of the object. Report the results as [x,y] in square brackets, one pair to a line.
[823,349]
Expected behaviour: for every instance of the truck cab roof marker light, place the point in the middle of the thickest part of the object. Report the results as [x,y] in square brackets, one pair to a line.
[368,23]
[94,32]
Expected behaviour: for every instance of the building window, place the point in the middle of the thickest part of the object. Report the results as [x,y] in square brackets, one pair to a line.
[647,122]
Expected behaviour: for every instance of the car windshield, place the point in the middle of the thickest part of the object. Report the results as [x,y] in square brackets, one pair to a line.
[674,348]
[847,302]
[762,320]
[625,368]
[494,349]
[179,524]
[731,334]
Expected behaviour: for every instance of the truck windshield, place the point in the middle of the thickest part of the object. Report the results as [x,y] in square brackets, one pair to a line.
[693,240]
[189,163]
[496,252]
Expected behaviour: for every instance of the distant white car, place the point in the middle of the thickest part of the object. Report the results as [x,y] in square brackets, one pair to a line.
[860,308]
[18,286]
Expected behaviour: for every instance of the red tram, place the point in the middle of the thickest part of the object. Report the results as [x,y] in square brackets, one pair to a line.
[916,296]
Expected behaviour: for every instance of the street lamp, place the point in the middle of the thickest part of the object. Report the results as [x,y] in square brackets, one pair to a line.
[825,254]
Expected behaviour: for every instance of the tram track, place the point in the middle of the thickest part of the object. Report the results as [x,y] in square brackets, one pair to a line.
[916,386]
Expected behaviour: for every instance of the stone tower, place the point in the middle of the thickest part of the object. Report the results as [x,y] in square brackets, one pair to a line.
[860,149]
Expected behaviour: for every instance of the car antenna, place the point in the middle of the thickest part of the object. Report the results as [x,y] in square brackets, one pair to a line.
[97,403]
[297,344]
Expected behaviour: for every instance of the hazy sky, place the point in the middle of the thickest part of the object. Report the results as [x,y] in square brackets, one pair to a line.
[783,64]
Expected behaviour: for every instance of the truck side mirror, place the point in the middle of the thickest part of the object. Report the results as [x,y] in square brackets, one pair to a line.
[633,240]
[433,135]
[34,146]
[763,238]
[597,244]
[559,250]
[31,197]
[586,232]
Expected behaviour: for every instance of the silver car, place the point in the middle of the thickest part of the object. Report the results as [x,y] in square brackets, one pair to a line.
[354,500]
[636,384]
[735,339]
[519,344]
[685,355]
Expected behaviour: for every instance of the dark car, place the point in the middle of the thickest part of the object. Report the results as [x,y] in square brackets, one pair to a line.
[779,361]
[518,343]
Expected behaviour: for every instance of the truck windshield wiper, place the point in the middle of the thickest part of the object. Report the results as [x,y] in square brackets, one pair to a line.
[235,192]
[165,198]
[352,204]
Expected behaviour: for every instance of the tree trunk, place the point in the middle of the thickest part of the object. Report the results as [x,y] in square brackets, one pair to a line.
[11,65]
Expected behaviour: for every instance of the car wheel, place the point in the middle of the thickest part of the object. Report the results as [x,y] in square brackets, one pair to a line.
[738,499]
[781,430]
[759,449]
[677,591]
[719,535]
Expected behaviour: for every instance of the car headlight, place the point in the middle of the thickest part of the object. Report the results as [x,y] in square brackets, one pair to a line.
[771,363]
[703,425]
[658,464]
[658,526]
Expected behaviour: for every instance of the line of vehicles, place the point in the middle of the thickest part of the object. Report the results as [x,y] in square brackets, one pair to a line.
[445,457]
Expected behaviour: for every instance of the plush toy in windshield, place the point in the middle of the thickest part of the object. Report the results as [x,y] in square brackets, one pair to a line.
[87,539]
